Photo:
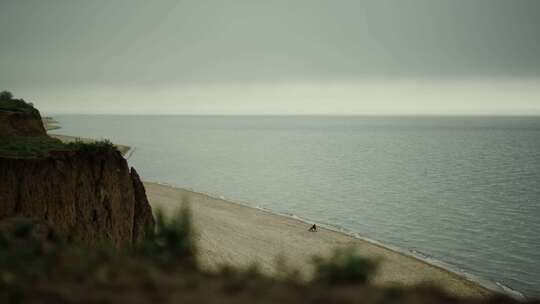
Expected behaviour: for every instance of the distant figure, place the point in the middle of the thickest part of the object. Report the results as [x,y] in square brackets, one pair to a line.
[313,228]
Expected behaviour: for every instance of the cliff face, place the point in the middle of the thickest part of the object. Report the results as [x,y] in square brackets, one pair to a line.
[143,218]
[85,197]
[20,124]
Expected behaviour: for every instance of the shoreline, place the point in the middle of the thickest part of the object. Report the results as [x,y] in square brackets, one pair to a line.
[398,267]
[488,285]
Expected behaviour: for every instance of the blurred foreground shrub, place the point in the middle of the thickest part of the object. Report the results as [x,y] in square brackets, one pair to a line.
[344,266]
[171,241]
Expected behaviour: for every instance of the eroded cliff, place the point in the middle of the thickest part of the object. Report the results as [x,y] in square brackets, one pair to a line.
[86,196]
[20,124]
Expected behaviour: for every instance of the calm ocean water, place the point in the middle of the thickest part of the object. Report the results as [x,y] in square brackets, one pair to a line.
[461,190]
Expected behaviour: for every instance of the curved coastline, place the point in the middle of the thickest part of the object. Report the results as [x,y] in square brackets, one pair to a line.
[421,256]
[482,286]
[488,286]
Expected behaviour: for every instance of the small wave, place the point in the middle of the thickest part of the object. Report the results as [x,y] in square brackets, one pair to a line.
[510,291]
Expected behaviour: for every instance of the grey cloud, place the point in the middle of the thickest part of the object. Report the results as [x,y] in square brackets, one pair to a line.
[50,43]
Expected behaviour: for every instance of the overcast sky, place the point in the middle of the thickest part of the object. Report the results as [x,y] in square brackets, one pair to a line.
[273,57]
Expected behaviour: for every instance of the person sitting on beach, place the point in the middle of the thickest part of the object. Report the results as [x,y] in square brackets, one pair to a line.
[313,228]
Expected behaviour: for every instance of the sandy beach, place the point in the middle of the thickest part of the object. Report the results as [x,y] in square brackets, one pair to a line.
[232,233]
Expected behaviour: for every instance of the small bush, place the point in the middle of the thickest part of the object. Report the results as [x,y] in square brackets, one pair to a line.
[344,266]
[172,241]
[92,147]
[6,95]
[22,146]
[8,103]
[287,273]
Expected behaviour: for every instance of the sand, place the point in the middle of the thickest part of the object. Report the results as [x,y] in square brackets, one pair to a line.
[230,233]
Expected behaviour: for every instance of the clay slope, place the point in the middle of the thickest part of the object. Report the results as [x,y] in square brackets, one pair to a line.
[89,197]
[20,124]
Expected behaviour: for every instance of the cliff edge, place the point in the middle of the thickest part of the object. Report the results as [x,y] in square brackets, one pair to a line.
[18,117]
[20,124]
[88,197]
[85,191]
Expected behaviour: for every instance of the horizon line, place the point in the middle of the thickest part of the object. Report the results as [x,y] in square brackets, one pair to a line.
[298,115]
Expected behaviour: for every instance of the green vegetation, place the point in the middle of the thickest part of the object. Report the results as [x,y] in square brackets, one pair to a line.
[19,146]
[8,103]
[37,267]
[344,266]
[171,241]
[29,249]
[30,252]
[91,147]
[39,146]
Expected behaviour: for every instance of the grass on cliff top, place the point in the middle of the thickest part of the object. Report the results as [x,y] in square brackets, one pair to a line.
[39,146]
[35,146]
[8,103]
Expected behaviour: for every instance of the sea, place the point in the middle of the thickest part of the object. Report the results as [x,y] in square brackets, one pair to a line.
[459,192]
